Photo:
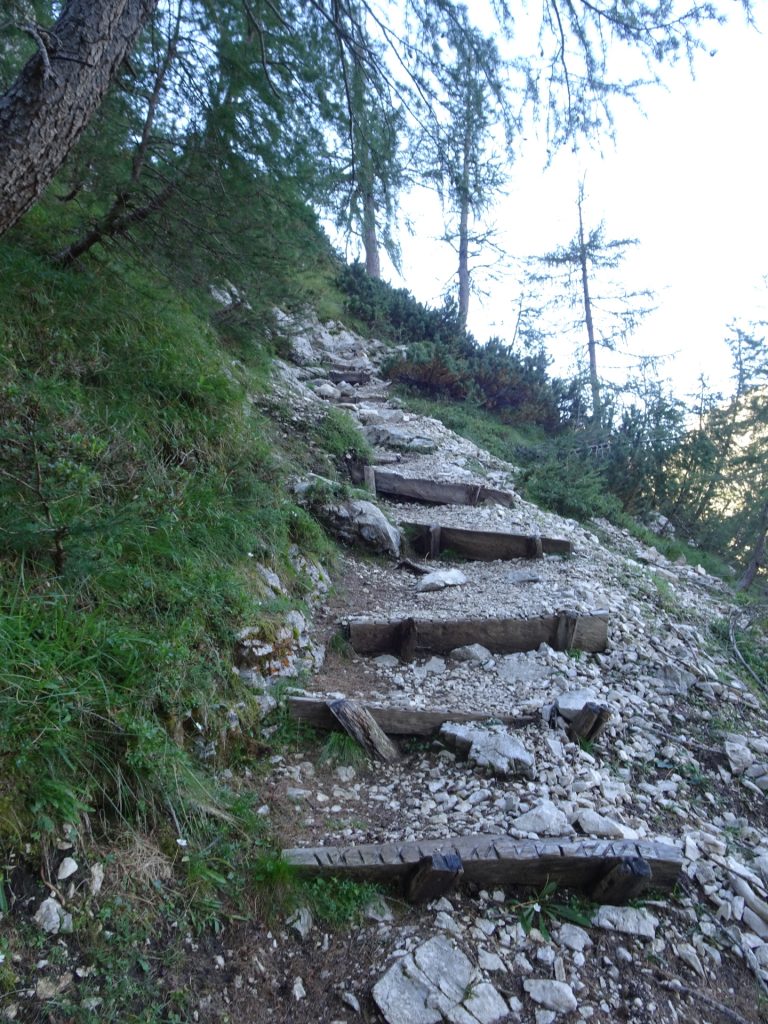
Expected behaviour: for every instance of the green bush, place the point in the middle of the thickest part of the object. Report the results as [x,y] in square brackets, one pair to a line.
[569,484]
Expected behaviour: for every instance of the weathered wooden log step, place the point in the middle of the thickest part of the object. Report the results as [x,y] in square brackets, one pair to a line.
[340,376]
[564,631]
[600,866]
[480,545]
[397,721]
[434,492]
[357,721]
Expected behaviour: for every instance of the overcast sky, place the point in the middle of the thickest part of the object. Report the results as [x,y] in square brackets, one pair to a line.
[687,177]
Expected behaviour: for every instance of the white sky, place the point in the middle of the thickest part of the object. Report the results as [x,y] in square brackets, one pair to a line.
[687,176]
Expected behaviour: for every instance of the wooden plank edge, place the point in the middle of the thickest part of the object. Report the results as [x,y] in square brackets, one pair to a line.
[563,631]
[439,492]
[398,721]
[459,539]
[495,859]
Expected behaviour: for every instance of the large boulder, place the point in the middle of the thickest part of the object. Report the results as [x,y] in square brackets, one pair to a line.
[358,521]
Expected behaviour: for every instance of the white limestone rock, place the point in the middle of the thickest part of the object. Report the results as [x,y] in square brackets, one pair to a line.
[552,995]
[546,819]
[359,520]
[740,757]
[440,579]
[628,920]
[301,922]
[574,938]
[593,824]
[50,916]
[485,1004]
[488,747]
[569,704]
[67,868]
[437,982]
[472,652]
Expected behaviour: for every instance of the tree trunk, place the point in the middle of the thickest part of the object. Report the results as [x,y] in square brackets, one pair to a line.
[370,241]
[757,558]
[591,344]
[464,277]
[46,109]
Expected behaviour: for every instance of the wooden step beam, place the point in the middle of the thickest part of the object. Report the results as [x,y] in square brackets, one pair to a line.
[589,723]
[623,882]
[564,631]
[435,876]
[498,860]
[481,545]
[341,376]
[436,492]
[397,721]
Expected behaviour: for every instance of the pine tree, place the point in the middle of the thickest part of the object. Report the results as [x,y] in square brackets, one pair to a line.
[469,143]
[578,275]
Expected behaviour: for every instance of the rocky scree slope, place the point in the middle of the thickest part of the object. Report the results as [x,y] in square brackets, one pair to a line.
[684,759]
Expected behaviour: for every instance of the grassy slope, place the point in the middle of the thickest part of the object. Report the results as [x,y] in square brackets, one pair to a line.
[138,487]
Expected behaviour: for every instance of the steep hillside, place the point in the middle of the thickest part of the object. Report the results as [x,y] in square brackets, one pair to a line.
[168,495]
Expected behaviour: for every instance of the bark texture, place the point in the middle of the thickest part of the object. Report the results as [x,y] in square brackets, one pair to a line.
[370,241]
[46,109]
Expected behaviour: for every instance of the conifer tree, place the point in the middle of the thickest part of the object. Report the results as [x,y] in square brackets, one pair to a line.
[471,142]
[604,312]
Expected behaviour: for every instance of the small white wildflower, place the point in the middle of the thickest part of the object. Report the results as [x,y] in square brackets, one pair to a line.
[182,842]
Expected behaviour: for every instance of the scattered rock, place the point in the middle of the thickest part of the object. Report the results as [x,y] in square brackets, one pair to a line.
[524,576]
[434,983]
[97,879]
[378,910]
[546,819]
[570,703]
[50,916]
[574,938]
[299,992]
[740,757]
[552,995]
[67,868]
[488,747]
[627,920]
[485,1004]
[593,824]
[472,652]
[440,579]
[387,661]
[301,922]
[352,1001]
[398,438]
